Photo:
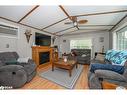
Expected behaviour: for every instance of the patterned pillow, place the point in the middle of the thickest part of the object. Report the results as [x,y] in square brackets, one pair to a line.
[110,54]
[120,58]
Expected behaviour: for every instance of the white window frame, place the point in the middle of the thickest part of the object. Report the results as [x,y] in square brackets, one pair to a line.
[115,36]
[9,36]
[81,39]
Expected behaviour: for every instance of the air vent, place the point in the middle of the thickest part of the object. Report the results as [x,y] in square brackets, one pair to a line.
[8,30]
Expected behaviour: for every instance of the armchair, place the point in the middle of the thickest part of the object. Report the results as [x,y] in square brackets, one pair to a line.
[13,73]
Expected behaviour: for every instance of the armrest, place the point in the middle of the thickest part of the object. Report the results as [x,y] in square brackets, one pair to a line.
[10,68]
[106,74]
[125,73]
[31,61]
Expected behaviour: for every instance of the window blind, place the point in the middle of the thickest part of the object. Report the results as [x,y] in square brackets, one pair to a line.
[122,39]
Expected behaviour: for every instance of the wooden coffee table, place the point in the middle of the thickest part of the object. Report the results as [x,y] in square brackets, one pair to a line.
[69,65]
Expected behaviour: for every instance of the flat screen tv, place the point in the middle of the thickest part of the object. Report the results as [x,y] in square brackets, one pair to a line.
[42,40]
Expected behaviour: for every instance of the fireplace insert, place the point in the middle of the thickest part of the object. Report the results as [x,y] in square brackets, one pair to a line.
[44,57]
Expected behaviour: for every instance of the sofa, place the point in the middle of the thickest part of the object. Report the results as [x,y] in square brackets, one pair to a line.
[15,74]
[83,55]
[95,79]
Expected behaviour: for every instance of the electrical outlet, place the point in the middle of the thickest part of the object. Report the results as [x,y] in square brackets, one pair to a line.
[7,45]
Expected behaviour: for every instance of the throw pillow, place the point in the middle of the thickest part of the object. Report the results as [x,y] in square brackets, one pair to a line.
[23,60]
[11,62]
[83,55]
[100,57]
[120,58]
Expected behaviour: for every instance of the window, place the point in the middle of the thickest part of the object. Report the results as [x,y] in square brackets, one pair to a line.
[122,39]
[8,31]
[81,44]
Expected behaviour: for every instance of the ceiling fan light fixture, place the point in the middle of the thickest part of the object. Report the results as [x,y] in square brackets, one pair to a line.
[75,23]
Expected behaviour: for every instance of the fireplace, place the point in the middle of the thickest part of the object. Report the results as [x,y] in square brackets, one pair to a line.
[44,57]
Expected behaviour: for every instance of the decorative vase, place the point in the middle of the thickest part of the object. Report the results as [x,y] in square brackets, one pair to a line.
[65,59]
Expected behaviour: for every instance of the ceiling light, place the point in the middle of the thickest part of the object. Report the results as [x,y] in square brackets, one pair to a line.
[75,23]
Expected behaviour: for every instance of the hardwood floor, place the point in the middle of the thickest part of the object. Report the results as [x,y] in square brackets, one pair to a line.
[40,83]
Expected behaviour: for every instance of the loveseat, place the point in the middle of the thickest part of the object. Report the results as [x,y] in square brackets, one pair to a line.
[13,73]
[83,55]
[120,79]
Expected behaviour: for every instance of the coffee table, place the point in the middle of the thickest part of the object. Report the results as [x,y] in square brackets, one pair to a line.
[69,65]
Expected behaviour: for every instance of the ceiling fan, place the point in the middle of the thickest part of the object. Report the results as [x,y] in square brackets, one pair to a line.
[75,22]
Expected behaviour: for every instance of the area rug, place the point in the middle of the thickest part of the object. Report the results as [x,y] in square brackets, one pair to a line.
[61,76]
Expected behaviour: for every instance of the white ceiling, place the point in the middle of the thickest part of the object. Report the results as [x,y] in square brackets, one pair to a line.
[107,19]
[95,28]
[69,30]
[44,16]
[79,10]
[14,12]
[58,27]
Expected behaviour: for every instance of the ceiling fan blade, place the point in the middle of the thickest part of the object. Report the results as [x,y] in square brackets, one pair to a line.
[68,23]
[82,21]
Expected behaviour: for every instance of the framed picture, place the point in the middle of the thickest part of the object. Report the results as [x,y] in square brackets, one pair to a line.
[101,39]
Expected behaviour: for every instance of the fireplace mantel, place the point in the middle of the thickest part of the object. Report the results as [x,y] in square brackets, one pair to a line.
[37,49]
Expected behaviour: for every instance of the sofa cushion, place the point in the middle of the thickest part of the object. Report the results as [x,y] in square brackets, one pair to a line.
[81,58]
[2,63]
[6,56]
[100,57]
[10,68]
[15,55]
[106,74]
[28,67]
[80,52]
[1,57]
